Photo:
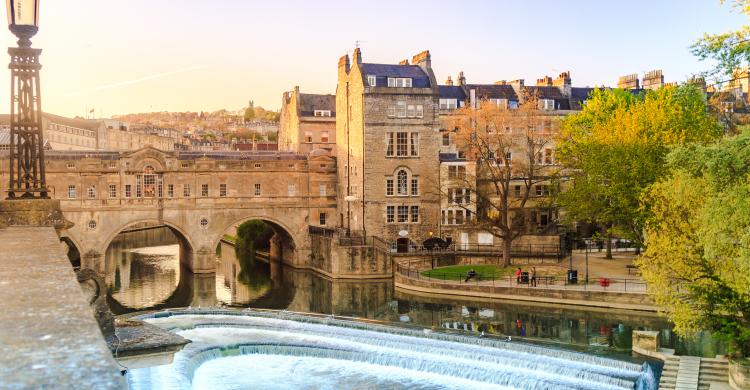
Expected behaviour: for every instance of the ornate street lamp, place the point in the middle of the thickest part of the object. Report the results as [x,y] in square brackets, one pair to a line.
[27,179]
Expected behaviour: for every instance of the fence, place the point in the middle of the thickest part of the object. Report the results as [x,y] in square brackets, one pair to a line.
[543,281]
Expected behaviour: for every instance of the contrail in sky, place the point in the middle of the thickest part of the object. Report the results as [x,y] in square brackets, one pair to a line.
[132,82]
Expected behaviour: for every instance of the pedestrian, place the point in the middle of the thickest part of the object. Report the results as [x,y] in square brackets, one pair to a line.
[471,274]
[533,276]
[518,275]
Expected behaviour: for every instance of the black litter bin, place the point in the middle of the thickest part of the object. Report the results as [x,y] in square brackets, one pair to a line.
[524,278]
[572,276]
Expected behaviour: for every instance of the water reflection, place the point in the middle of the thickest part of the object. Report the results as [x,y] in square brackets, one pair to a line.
[142,267]
[154,281]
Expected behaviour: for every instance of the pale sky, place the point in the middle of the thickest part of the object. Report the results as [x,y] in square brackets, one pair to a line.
[188,55]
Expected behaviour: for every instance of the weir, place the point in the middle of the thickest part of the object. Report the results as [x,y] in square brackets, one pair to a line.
[336,353]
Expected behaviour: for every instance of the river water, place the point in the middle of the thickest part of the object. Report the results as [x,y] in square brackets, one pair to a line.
[143,272]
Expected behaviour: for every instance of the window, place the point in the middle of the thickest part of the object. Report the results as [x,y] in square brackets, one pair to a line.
[91,192]
[372,80]
[390,212]
[308,136]
[402,147]
[322,219]
[204,222]
[500,103]
[414,214]
[446,139]
[322,189]
[391,111]
[112,164]
[92,224]
[401,183]
[223,190]
[389,149]
[186,190]
[546,104]
[389,187]
[414,144]
[72,192]
[517,191]
[459,217]
[448,104]
[403,214]
[185,165]
[401,109]
[257,165]
[322,112]
[170,190]
[414,187]
[542,190]
[456,172]
[420,111]
[257,189]
[548,159]
[508,158]
[71,165]
[400,82]
[128,191]
[113,190]
[291,190]
[324,136]
[204,190]
[411,111]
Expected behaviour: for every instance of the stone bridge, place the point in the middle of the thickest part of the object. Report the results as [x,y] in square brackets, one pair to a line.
[200,195]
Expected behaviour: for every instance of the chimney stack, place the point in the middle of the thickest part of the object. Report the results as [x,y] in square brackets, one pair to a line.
[344,63]
[449,82]
[501,82]
[653,79]
[404,62]
[564,83]
[629,81]
[357,56]
[461,79]
[545,81]
[422,59]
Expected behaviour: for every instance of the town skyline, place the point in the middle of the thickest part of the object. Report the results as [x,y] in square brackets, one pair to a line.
[166,64]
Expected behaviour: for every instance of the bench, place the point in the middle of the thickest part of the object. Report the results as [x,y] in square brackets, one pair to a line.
[631,267]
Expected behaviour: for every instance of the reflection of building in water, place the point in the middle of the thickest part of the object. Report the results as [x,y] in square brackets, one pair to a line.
[142,267]
[568,325]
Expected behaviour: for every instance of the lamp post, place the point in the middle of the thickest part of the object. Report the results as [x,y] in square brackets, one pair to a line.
[27,179]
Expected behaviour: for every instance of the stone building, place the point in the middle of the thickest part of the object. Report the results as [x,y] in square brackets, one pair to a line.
[307,122]
[61,133]
[388,148]
[551,100]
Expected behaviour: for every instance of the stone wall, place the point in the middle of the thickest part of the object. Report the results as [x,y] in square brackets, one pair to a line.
[330,258]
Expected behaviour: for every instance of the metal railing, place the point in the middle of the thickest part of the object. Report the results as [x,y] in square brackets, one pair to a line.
[542,281]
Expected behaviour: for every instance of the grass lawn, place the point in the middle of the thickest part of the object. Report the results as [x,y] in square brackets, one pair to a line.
[458,272]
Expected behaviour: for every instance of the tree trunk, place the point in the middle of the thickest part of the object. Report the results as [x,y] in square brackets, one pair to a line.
[506,251]
[609,246]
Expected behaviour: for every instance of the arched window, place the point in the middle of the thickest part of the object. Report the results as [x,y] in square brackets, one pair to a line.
[402,183]
[151,183]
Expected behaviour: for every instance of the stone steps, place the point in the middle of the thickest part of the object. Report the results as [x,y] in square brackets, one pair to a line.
[693,373]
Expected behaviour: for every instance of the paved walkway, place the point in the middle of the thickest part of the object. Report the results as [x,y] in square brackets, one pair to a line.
[48,336]
[688,373]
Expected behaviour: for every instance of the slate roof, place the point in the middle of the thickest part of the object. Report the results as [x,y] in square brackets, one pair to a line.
[450,157]
[452,92]
[494,91]
[420,79]
[87,124]
[309,102]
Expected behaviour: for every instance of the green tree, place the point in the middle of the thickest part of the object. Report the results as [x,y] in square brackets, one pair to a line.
[249,114]
[251,236]
[730,50]
[615,148]
[697,261]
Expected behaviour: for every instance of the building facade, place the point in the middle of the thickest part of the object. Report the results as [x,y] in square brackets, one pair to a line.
[388,148]
[307,122]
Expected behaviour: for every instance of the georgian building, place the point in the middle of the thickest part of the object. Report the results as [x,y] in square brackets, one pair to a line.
[388,148]
[307,122]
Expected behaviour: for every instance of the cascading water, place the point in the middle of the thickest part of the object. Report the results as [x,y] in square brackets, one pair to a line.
[284,350]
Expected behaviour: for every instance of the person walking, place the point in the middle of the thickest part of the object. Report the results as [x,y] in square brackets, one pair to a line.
[518,275]
[533,276]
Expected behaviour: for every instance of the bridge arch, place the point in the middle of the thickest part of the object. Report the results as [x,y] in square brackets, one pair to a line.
[179,231]
[284,244]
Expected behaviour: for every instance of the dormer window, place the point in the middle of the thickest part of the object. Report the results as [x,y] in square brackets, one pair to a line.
[322,112]
[448,104]
[399,82]
[372,80]
[546,104]
[500,103]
